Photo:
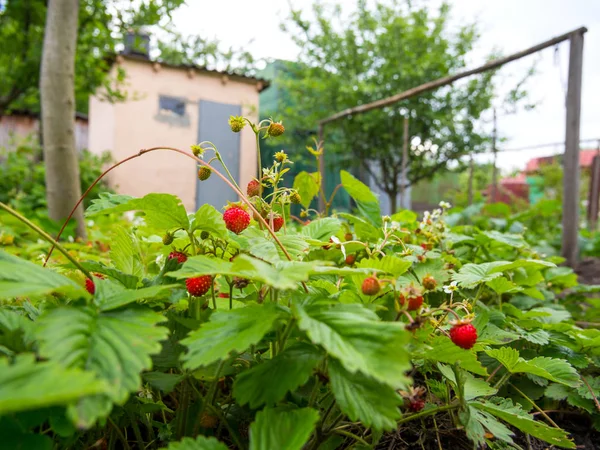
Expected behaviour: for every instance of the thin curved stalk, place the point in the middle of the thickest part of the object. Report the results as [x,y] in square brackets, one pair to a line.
[46,236]
[198,160]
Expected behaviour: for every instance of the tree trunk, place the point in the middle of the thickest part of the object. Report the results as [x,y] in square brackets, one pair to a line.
[393,196]
[57,88]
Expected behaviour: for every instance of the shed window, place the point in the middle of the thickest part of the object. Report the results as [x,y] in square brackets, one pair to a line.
[171,105]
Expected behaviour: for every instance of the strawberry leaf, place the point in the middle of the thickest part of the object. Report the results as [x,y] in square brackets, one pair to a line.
[198,443]
[267,383]
[227,332]
[358,339]
[115,345]
[282,429]
[364,399]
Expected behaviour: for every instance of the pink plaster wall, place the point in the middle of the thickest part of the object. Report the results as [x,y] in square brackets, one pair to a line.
[125,128]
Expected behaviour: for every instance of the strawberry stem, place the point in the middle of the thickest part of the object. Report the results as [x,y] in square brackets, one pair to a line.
[47,237]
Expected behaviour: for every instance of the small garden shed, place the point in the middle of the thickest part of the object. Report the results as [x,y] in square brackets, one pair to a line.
[175,106]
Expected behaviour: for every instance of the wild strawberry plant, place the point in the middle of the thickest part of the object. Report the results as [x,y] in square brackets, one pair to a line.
[247,329]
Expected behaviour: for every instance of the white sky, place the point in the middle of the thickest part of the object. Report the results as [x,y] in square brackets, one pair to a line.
[507,25]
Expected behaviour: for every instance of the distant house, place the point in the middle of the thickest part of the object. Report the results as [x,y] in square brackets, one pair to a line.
[176,106]
[585,160]
[21,125]
[526,185]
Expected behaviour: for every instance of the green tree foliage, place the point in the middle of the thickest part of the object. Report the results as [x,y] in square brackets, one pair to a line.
[102,24]
[379,51]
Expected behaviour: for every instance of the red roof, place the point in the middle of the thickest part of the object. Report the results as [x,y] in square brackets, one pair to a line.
[585,160]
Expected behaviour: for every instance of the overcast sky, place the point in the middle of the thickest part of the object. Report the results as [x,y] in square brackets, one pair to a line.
[506,25]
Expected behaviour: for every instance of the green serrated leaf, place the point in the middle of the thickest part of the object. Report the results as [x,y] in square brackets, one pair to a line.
[473,387]
[388,264]
[107,202]
[307,185]
[161,211]
[110,295]
[502,285]
[322,229]
[364,399]
[471,275]
[358,339]
[557,370]
[267,383]
[516,417]
[366,201]
[282,429]
[27,384]
[198,443]
[124,253]
[441,349]
[207,218]
[20,278]
[115,345]
[557,391]
[229,331]
[166,382]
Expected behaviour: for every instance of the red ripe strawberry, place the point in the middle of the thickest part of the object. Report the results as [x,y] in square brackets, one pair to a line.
[236,219]
[350,259]
[223,295]
[277,223]
[414,303]
[429,283]
[198,286]
[253,188]
[181,257]
[90,286]
[89,283]
[371,286]
[348,236]
[416,405]
[463,335]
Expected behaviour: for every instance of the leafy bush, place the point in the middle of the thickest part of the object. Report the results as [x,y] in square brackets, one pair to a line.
[339,332]
[22,176]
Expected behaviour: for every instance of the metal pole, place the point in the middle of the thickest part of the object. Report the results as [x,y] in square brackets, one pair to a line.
[322,166]
[471,174]
[495,163]
[452,78]
[594,194]
[403,176]
[570,220]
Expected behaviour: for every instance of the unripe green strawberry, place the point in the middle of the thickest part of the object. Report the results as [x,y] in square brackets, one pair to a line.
[167,239]
[275,129]
[295,198]
[429,283]
[236,123]
[236,219]
[204,235]
[253,188]
[204,173]
[463,335]
[371,286]
[198,286]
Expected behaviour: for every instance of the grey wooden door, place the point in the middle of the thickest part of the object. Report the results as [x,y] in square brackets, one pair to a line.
[213,126]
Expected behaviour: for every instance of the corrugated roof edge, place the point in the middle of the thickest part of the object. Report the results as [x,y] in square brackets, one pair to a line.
[264,83]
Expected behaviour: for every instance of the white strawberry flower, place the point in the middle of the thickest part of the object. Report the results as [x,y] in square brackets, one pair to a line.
[445,205]
[449,289]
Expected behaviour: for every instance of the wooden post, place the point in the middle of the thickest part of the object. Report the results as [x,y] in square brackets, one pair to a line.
[322,167]
[403,176]
[594,195]
[570,220]
[471,174]
[494,195]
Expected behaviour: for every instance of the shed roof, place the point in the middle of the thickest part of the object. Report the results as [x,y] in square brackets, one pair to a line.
[260,82]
